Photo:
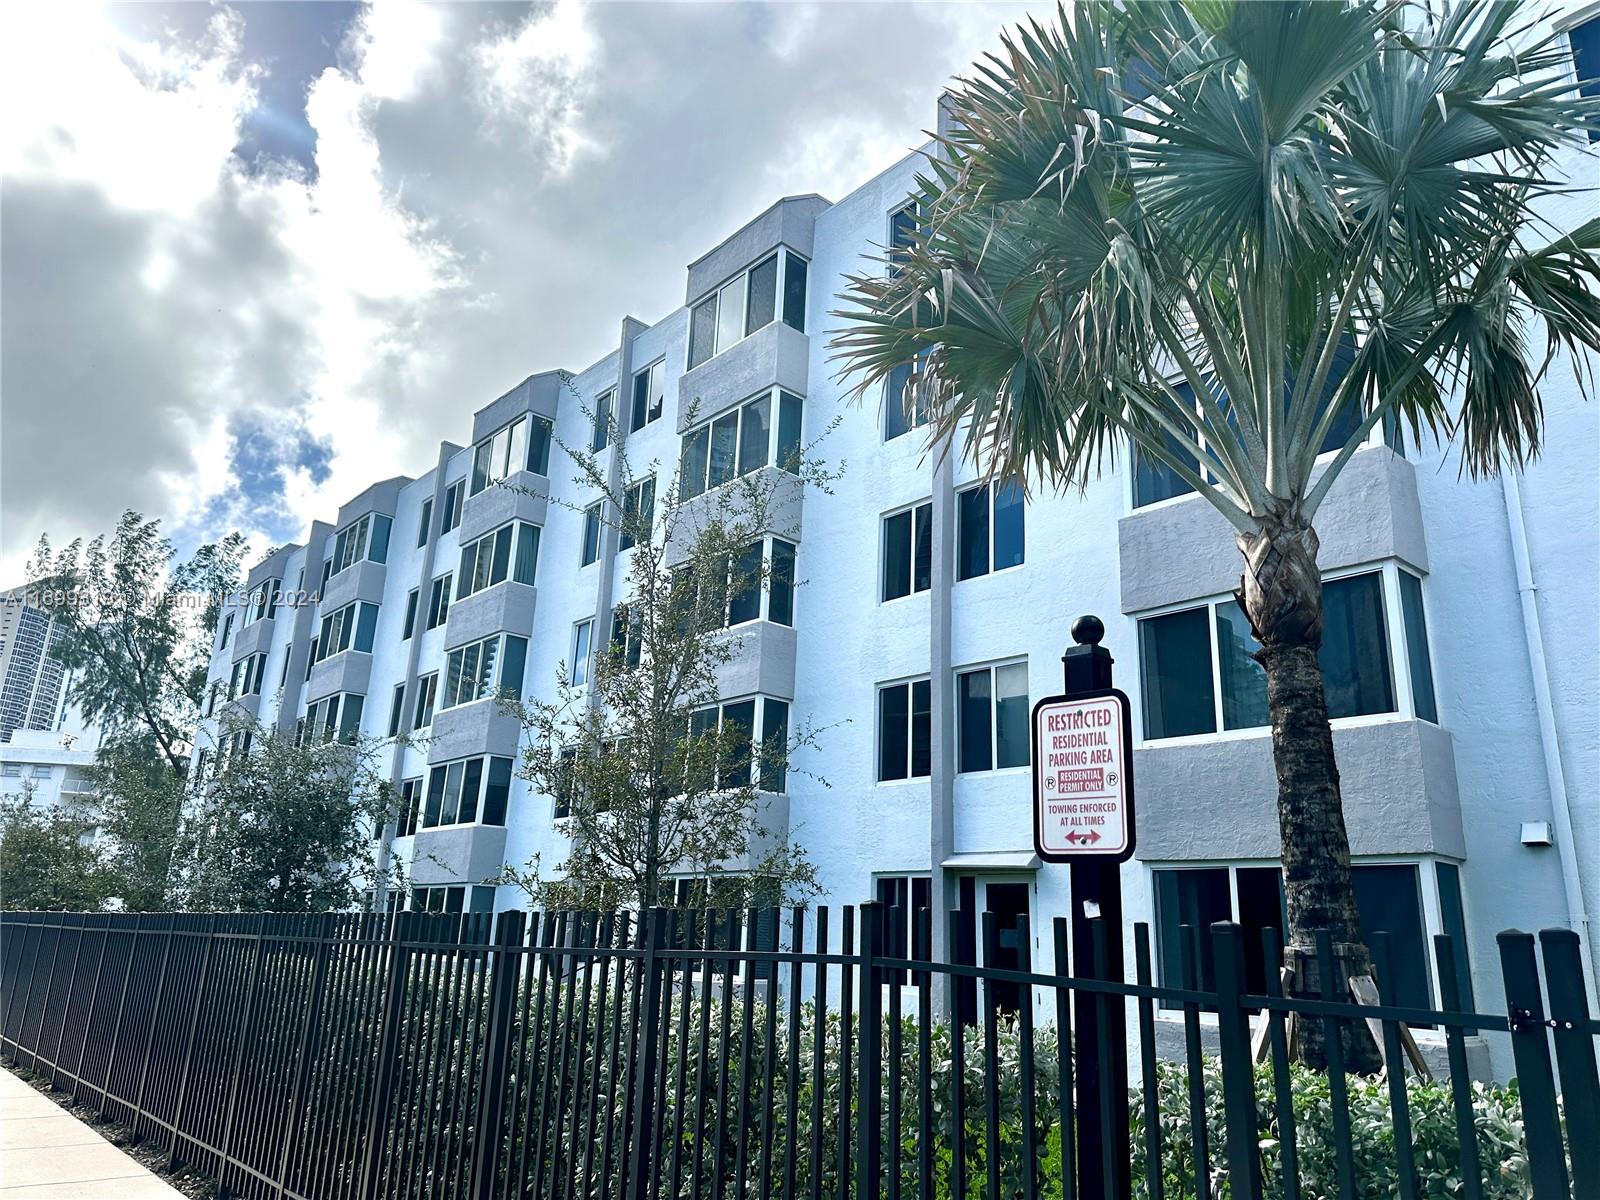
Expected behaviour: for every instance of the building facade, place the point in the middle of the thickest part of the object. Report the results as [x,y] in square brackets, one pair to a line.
[33,684]
[1462,653]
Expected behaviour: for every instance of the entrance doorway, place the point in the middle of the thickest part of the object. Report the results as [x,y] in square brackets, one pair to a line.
[1007,897]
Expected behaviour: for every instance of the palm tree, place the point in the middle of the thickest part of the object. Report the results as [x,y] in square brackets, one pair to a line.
[1225,231]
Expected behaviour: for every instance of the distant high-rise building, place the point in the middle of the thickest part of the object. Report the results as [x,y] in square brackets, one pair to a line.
[32,682]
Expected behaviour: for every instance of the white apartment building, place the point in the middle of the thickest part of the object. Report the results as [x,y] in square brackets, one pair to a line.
[1462,651]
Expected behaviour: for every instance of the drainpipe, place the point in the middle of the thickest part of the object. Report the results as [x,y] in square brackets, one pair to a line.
[1555,778]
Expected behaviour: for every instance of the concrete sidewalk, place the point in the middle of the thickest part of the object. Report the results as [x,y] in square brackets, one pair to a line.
[48,1154]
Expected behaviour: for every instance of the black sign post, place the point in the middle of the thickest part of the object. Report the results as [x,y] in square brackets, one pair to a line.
[1083,816]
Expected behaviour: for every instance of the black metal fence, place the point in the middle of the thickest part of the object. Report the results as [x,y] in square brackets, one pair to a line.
[730,1054]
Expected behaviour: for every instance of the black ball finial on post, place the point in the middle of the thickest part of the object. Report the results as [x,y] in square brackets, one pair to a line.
[1086,667]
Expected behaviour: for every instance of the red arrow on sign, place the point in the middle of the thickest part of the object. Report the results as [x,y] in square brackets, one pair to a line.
[1092,836]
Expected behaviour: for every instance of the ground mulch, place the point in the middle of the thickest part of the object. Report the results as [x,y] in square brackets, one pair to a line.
[146,1153]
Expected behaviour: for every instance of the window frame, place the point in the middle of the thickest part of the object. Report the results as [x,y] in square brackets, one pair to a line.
[582,655]
[1395,633]
[758,735]
[782,252]
[426,702]
[440,590]
[346,622]
[454,497]
[992,667]
[912,509]
[522,425]
[600,420]
[480,799]
[633,501]
[497,685]
[591,550]
[776,453]
[639,417]
[476,547]
[989,487]
[909,684]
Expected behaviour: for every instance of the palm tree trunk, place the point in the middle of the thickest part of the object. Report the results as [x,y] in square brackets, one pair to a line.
[1281,594]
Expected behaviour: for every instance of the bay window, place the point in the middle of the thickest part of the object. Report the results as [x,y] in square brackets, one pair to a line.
[992,717]
[521,445]
[351,627]
[336,716]
[479,669]
[1199,675]
[746,303]
[364,538]
[510,552]
[467,791]
[245,678]
[739,441]
[753,741]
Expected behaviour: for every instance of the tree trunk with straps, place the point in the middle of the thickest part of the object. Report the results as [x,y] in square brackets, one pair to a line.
[1281,594]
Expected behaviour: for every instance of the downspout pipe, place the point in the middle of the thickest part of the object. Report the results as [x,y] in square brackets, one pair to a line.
[1544,707]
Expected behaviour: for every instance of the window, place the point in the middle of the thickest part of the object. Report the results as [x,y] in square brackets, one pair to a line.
[246,676]
[600,436]
[1356,676]
[467,791]
[263,602]
[1191,682]
[905,730]
[780,583]
[1419,664]
[905,407]
[908,552]
[638,512]
[227,631]
[427,696]
[903,223]
[283,674]
[627,635]
[490,560]
[992,717]
[988,529]
[591,534]
[350,627]
[746,303]
[522,445]
[41,772]
[750,753]
[451,517]
[439,600]
[906,900]
[410,801]
[412,598]
[649,393]
[1585,40]
[581,637]
[476,670]
[452,899]
[397,709]
[739,441]
[336,716]
[742,598]
[424,521]
[366,538]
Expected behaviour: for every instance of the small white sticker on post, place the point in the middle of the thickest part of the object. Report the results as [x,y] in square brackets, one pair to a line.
[1083,777]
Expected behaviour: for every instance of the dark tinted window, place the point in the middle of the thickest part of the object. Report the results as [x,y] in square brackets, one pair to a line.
[1175,658]
[1355,647]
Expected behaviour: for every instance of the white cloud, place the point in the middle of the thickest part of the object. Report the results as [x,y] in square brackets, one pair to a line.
[493,191]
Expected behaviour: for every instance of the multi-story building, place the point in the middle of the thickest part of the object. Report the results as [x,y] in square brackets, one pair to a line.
[33,684]
[1461,646]
[47,768]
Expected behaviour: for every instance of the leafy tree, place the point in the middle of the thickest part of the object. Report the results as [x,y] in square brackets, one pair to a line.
[48,861]
[654,787]
[139,803]
[138,627]
[1232,234]
[284,823]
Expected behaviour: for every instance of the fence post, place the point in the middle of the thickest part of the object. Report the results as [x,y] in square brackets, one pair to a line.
[197,1002]
[509,929]
[641,1152]
[869,1128]
[1530,1049]
[387,1053]
[1574,1039]
[1238,1069]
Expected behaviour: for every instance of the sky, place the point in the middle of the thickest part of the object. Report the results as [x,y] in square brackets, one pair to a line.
[256,256]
